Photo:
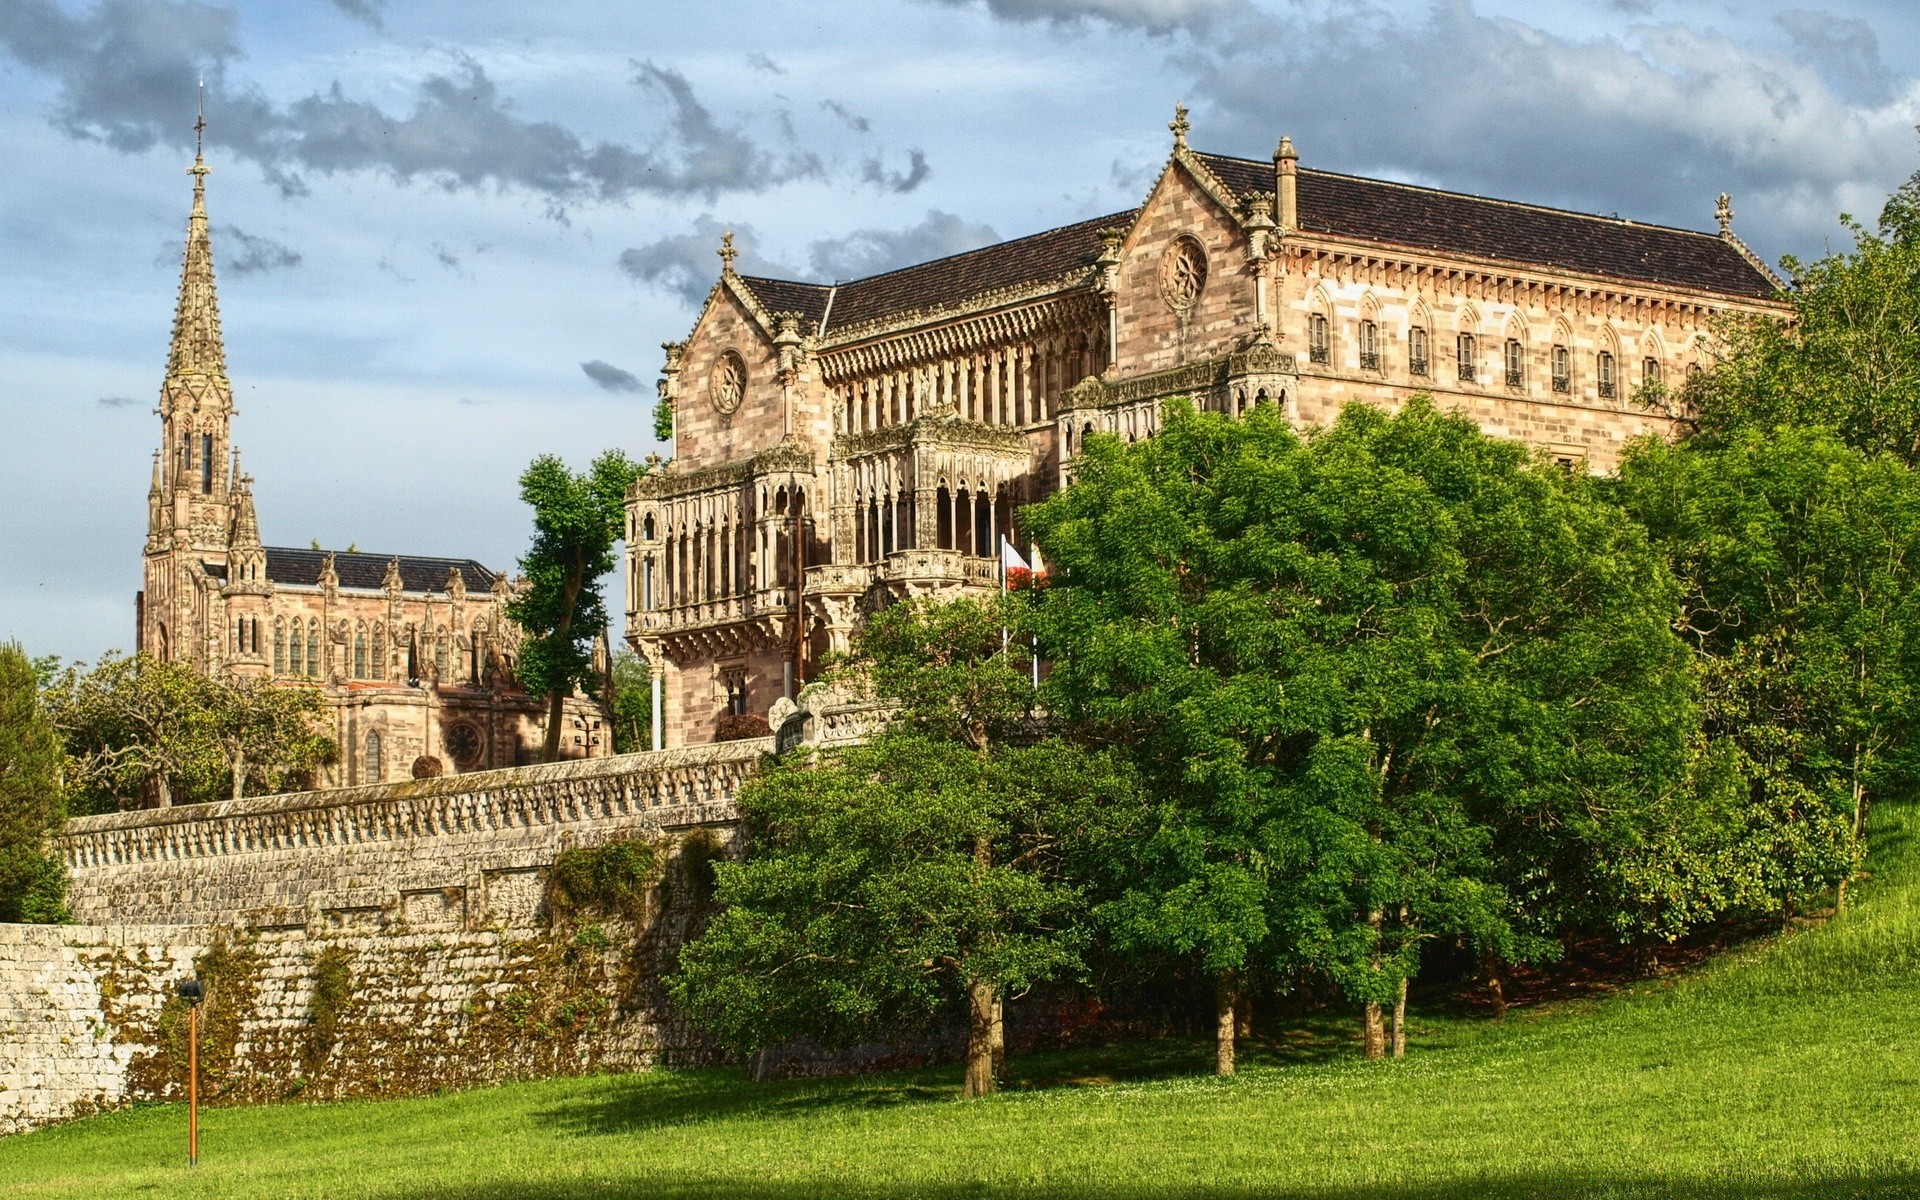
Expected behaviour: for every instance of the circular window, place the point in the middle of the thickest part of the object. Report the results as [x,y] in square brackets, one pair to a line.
[463,742]
[728,383]
[1183,273]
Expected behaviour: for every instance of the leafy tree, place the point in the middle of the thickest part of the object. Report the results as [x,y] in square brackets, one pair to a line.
[1800,557]
[1845,358]
[139,727]
[631,702]
[576,520]
[887,884]
[269,733]
[1390,683]
[32,797]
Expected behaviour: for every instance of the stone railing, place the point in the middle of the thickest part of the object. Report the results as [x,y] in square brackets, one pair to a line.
[297,859]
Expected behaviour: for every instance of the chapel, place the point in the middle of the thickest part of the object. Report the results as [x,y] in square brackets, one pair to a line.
[414,654]
[840,446]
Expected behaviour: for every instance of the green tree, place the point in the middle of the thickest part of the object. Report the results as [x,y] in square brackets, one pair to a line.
[1846,358]
[32,797]
[1389,683]
[270,734]
[137,728]
[890,884]
[630,696]
[577,519]
[1799,557]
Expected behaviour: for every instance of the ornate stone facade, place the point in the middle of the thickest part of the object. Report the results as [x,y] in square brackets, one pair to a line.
[415,655]
[840,446]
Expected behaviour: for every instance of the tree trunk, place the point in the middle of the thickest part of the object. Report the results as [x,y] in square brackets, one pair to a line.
[1226,990]
[550,750]
[239,775]
[1400,1021]
[998,1040]
[162,793]
[982,996]
[1374,1031]
[1496,990]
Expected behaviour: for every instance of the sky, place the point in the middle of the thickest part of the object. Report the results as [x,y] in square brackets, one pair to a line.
[452,234]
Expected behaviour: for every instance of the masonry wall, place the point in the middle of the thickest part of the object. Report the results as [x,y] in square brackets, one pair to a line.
[382,940]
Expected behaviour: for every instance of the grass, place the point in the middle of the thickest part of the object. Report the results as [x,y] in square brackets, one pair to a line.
[1784,1070]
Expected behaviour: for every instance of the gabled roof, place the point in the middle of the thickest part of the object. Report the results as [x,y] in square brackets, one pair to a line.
[301,568]
[943,282]
[1401,214]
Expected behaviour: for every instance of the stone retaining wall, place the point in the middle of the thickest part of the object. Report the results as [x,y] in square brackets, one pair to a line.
[369,941]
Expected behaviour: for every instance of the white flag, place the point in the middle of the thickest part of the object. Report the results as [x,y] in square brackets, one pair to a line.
[1010,559]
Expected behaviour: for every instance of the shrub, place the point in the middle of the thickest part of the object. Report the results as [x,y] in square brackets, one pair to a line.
[610,879]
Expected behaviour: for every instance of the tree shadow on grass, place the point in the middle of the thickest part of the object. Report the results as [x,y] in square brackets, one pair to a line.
[658,1100]
[1542,1186]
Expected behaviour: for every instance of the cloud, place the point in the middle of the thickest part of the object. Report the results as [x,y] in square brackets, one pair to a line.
[610,377]
[373,12]
[1843,49]
[867,252]
[684,265]
[1154,16]
[880,175]
[117,402]
[1653,127]
[760,62]
[854,120]
[243,253]
[127,70]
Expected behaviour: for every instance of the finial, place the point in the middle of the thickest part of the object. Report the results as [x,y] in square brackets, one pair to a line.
[1723,213]
[1179,125]
[199,169]
[727,253]
[1285,149]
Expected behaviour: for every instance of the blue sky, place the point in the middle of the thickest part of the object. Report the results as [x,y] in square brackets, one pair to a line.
[452,235]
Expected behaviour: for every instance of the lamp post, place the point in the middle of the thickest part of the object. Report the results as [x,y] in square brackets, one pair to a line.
[193,992]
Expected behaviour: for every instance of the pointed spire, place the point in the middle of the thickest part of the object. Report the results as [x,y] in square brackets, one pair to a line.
[197,348]
[246,523]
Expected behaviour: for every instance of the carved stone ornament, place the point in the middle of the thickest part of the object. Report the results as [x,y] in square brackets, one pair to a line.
[1183,273]
[728,384]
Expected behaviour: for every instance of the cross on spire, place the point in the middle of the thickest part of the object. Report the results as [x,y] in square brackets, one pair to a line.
[1179,125]
[1723,213]
[199,169]
[727,253]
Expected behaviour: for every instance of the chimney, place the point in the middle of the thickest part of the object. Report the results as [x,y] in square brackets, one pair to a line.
[1286,181]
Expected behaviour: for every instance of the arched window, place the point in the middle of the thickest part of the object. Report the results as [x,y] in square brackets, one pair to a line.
[1693,372]
[279,646]
[1649,371]
[206,464]
[379,662]
[1463,349]
[1369,346]
[440,663]
[1603,374]
[313,647]
[1317,338]
[1562,369]
[371,767]
[360,652]
[1516,364]
[1417,351]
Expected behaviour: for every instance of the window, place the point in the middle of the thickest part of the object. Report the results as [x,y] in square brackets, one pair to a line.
[313,648]
[206,464]
[279,647]
[1417,351]
[371,770]
[1369,346]
[1650,372]
[1464,349]
[1516,364]
[360,653]
[1603,374]
[1317,338]
[440,657]
[1562,370]
[1693,372]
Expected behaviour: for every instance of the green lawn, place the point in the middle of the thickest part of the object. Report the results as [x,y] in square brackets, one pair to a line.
[1786,1070]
